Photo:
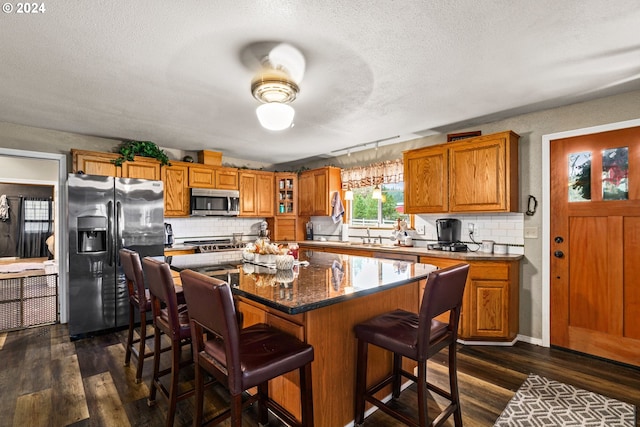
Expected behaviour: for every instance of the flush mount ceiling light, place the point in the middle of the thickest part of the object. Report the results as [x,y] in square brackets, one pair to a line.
[276,86]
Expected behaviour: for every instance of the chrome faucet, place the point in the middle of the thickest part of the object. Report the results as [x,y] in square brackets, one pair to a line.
[368,235]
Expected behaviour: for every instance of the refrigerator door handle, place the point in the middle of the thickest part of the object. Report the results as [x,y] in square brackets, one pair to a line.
[119,226]
[110,242]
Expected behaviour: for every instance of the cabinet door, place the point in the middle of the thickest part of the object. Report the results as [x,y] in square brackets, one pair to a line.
[264,194]
[426,180]
[305,194]
[320,193]
[141,168]
[176,192]
[489,304]
[202,177]
[248,203]
[283,228]
[483,174]
[94,163]
[226,178]
[286,190]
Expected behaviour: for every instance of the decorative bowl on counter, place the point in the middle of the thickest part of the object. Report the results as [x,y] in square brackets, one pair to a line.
[264,258]
[284,262]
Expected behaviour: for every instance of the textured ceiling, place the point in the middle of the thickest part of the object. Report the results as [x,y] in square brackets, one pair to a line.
[178,72]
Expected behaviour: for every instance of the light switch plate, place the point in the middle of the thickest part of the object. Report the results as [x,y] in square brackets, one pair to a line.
[531,232]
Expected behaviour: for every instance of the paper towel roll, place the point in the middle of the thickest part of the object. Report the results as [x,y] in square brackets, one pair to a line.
[345,232]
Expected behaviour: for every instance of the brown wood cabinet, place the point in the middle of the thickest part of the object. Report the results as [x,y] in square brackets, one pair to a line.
[315,190]
[472,175]
[490,307]
[286,193]
[283,228]
[426,174]
[204,176]
[256,193]
[176,191]
[98,163]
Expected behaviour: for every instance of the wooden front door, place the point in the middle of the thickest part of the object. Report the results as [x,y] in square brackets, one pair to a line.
[595,244]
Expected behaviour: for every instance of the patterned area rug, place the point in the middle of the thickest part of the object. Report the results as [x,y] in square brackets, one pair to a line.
[543,402]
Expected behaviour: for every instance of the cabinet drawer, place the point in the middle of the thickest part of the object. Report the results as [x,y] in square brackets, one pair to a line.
[489,271]
[285,326]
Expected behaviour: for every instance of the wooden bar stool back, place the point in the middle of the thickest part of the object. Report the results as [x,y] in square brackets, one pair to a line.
[242,358]
[139,302]
[418,337]
[172,319]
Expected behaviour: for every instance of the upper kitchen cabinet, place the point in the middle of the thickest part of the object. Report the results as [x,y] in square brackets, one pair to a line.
[426,185]
[256,193]
[483,174]
[286,193]
[98,163]
[95,163]
[315,190]
[204,176]
[176,190]
[472,175]
[141,168]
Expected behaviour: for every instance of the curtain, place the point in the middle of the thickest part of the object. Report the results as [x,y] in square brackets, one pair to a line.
[35,225]
[387,172]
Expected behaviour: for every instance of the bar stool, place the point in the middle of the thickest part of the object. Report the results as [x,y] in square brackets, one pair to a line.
[172,319]
[139,302]
[242,358]
[417,337]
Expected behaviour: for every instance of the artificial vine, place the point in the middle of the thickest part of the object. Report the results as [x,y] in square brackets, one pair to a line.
[129,149]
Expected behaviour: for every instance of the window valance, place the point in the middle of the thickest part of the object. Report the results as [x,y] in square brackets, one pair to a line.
[387,172]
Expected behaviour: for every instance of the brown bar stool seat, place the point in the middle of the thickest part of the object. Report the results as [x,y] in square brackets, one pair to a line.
[139,302]
[417,337]
[242,358]
[172,319]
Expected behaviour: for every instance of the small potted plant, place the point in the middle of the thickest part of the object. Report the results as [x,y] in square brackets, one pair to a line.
[129,149]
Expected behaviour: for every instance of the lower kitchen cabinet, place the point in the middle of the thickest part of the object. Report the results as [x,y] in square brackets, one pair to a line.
[490,307]
[283,229]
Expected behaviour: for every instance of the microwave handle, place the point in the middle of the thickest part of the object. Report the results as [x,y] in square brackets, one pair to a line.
[228,204]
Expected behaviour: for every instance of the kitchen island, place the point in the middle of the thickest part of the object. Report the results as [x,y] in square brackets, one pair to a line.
[320,303]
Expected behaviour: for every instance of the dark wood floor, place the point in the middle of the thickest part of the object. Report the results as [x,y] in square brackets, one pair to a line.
[46,380]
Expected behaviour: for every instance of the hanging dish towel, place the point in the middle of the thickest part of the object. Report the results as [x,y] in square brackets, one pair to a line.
[338,209]
[4,208]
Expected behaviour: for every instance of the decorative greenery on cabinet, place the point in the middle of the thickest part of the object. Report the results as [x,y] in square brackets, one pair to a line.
[129,149]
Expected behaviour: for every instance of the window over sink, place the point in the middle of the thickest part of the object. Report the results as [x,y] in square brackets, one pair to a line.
[365,211]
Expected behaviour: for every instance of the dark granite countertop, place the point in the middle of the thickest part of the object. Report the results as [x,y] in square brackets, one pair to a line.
[328,279]
[412,250]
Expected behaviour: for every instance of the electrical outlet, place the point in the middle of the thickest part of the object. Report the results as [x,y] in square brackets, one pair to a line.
[471,228]
[531,232]
[421,230]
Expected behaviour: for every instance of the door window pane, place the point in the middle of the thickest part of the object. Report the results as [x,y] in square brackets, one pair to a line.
[615,174]
[579,177]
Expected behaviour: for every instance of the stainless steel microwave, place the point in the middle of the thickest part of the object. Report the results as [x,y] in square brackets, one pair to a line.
[206,202]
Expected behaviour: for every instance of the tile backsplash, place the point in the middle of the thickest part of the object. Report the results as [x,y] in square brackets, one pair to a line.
[211,227]
[503,228]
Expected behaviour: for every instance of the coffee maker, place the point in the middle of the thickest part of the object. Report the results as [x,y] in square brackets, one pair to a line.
[448,230]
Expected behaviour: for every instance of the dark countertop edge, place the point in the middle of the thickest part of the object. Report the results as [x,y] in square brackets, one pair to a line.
[326,302]
[405,250]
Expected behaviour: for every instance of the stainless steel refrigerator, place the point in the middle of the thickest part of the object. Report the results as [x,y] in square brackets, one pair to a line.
[106,214]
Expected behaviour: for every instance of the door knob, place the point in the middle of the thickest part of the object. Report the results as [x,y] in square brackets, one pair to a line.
[558,254]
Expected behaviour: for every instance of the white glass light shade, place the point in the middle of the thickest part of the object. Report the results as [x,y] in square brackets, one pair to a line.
[377,193]
[348,195]
[275,116]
